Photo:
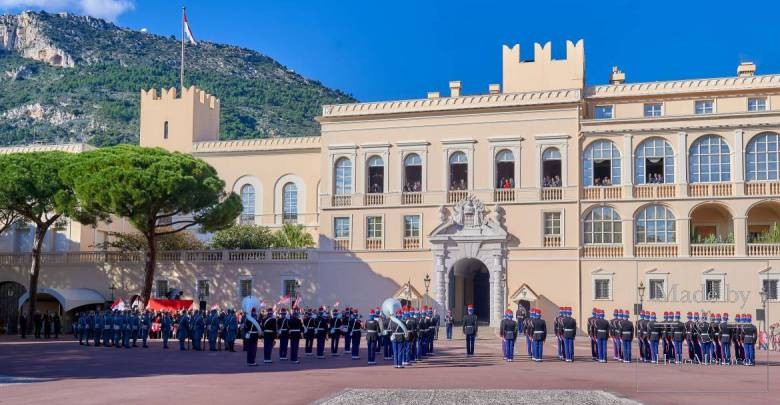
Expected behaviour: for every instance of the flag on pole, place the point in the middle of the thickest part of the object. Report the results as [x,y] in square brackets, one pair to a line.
[284,300]
[297,302]
[187,30]
[336,305]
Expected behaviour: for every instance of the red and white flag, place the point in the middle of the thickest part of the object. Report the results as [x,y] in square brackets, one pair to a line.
[284,300]
[187,30]
[336,305]
[118,305]
[297,302]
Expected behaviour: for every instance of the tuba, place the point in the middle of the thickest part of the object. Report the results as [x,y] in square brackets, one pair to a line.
[248,304]
[389,308]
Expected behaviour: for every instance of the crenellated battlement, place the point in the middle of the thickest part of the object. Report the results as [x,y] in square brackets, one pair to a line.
[191,92]
[174,121]
[543,72]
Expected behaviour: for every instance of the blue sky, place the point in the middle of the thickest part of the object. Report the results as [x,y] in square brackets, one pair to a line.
[401,49]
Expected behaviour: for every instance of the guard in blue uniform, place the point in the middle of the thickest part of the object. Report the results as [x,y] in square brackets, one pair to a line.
[355,334]
[449,322]
[116,325]
[99,323]
[231,330]
[569,325]
[749,335]
[398,337]
[198,330]
[321,328]
[470,329]
[626,336]
[373,331]
[296,334]
[601,328]
[183,329]
[309,323]
[336,325]
[539,327]
[283,331]
[270,327]
[433,329]
[212,324]
[251,335]
[126,329]
[135,327]
[146,326]
[166,323]
[508,331]
[725,339]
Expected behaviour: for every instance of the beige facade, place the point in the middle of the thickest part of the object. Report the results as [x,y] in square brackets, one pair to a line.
[541,192]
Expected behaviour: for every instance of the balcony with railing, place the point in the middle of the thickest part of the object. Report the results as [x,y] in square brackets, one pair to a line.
[655,191]
[411,243]
[411,198]
[182,256]
[551,241]
[710,190]
[374,199]
[374,244]
[504,195]
[712,249]
[551,193]
[601,193]
[656,250]
[454,196]
[341,244]
[604,251]
[762,188]
[342,200]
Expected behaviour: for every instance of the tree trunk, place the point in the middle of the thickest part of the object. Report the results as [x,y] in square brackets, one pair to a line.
[35,269]
[150,265]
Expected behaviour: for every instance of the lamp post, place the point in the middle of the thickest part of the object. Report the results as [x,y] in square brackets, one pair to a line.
[427,281]
[112,288]
[763,294]
[641,291]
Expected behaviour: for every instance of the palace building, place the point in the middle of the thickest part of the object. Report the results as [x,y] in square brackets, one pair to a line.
[542,192]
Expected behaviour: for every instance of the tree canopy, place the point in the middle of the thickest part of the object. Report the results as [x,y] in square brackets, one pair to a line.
[293,236]
[158,192]
[243,237]
[32,189]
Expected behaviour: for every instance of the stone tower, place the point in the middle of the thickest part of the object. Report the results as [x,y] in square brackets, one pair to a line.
[174,123]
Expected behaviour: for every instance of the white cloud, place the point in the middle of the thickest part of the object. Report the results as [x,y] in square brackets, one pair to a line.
[106,9]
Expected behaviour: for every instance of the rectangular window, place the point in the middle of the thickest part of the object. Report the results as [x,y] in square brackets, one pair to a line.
[770,288]
[245,287]
[704,107]
[291,288]
[552,224]
[653,110]
[411,226]
[657,289]
[712,289]
[604,112]
[341,227]
[203,288]
[601,289]
[165,130]
[374,227]
[757,104]
[161,288]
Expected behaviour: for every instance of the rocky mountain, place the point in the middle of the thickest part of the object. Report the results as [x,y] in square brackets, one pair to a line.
[70,78]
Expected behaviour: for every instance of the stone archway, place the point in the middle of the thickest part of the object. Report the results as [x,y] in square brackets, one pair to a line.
[469,232]
[10,292]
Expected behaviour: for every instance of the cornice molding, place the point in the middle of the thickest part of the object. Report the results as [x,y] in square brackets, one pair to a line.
[452,103]
[267,144]
[684,86]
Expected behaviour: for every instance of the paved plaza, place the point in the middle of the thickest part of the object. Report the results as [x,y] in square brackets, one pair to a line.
[62,372]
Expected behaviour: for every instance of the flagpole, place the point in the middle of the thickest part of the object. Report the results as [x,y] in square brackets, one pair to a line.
[181,74]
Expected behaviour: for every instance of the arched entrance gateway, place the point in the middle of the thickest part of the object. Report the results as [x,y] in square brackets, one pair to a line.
[10,292]
[469,251]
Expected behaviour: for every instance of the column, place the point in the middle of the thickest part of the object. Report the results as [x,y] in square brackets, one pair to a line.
[441,283]
[683,236]
[627,165]
[738,169]
[681,165]
[497,290]
[628,237]
[740,236]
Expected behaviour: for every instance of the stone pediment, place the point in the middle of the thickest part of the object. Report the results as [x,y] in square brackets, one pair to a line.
[524,293]
[469,220]
[407,292]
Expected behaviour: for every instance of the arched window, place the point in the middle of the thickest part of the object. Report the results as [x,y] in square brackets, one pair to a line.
[763,155]
[505,169]
[655,224]
[459,171]
[248,201]
[654,162]
[551,168]
[343,177]
[375,181]
[290,203]
[603,225]
[709,160]
[412,173]
[601,164]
